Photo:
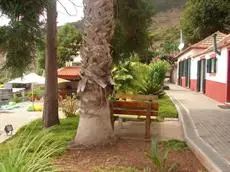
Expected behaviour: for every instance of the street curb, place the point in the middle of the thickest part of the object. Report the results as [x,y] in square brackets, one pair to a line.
[193,141]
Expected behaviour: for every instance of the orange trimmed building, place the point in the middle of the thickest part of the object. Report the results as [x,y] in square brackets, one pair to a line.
[72,74]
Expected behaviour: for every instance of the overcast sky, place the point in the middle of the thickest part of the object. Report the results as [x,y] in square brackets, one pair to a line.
[63,16]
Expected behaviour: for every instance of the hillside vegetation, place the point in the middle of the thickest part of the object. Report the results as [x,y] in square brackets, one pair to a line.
[164,32]
[164,5]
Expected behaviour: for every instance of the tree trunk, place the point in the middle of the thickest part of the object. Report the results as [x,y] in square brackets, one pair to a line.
[50,113]
[94,125]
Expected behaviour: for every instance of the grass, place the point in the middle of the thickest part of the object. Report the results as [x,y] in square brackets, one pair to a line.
[167,108]
[174,145]
[61,134]
[55,140]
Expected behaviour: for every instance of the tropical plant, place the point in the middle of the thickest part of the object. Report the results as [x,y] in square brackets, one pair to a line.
[160,160]
[153,77]
[27,159]
[95,86]
[123,77]
[139,78]
[69,105]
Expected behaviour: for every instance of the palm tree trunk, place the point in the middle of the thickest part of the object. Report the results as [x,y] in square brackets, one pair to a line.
[50,113]
[94,125]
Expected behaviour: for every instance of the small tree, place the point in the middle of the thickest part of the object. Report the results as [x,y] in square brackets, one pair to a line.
[202,18]
[133,18]
[69,42]
[50,113]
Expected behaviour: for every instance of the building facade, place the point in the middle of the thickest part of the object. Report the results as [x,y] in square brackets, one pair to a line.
[203,69]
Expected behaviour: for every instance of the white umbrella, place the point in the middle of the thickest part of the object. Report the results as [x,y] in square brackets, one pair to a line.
[34,78]
[21,80]
[31,78]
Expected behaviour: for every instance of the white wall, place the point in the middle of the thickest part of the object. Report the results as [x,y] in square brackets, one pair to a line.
[194,68]
[222,61]
[221,69]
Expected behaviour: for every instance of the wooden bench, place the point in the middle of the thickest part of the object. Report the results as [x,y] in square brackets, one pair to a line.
[139,105]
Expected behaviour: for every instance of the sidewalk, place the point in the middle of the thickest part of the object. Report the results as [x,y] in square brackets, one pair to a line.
[206,127]
[18,118]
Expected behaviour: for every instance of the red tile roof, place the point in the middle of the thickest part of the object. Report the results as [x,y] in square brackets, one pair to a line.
[220,44]
[205,43]
[69,73]
[224,42]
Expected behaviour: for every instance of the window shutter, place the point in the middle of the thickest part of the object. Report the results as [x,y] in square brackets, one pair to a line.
[209,66]
[215,62]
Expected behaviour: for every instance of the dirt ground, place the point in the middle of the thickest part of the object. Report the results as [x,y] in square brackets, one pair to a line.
[126,153]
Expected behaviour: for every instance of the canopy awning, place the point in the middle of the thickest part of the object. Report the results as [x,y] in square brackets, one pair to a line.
[31,78]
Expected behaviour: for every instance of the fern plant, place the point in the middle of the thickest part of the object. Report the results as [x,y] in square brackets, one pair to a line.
[160,160]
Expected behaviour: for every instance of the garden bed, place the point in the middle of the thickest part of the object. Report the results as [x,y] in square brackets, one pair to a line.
[126,156]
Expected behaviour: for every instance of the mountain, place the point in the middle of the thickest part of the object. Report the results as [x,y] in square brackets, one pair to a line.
[165,28]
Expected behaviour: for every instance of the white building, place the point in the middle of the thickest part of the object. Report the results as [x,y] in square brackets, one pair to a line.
[205,70]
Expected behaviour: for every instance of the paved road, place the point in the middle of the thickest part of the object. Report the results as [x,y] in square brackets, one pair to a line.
[17,117]
[206,125]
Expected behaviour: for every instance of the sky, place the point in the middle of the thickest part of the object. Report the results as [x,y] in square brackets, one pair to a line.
[74,13]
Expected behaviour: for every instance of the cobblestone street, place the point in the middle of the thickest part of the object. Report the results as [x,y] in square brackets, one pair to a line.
[205,124]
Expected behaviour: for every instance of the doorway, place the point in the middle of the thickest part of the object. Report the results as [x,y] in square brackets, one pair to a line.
[188,73]
[201,75]
[228,79]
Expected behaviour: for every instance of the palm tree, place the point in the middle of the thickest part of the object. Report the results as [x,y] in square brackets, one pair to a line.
[50,113]
[94,125]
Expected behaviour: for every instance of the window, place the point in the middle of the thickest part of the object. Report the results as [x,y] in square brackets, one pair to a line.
[211,65]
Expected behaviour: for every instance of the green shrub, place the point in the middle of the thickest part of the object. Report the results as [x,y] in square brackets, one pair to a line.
[35,108]
[37,93]
[69,105]
[150,78]
[123,77]
[160,160]
[139,78]
[154,81]
[16,99]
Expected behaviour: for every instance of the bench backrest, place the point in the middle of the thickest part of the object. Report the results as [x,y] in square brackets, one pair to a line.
[136,97]
[139,105]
